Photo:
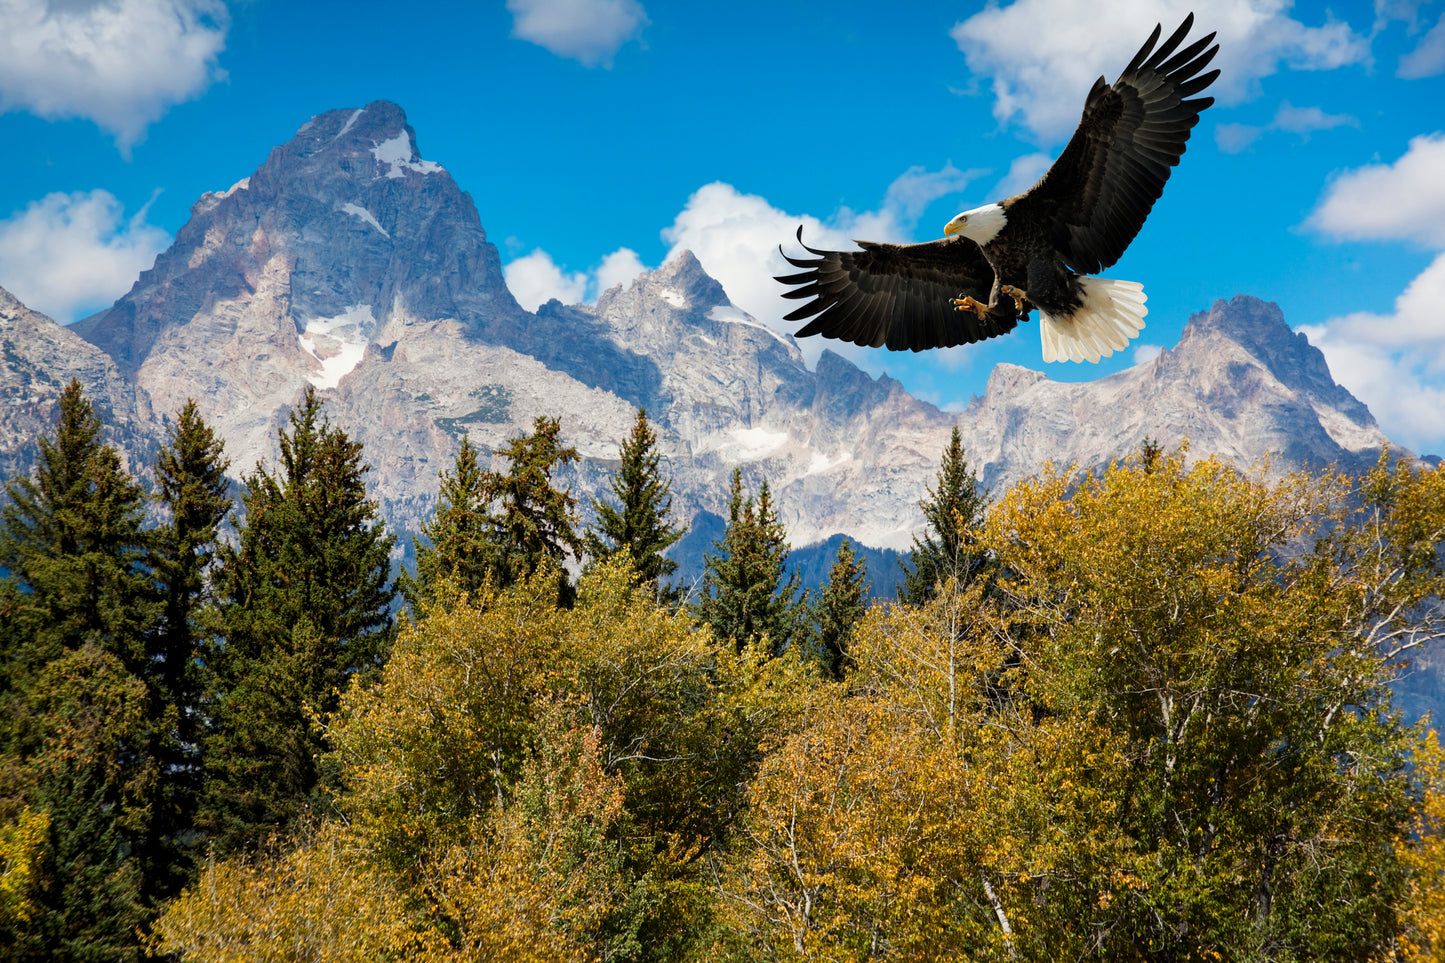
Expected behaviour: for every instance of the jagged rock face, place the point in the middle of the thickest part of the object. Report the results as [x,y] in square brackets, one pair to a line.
[1239,385]
[348,262]
[339,241]
[38,358]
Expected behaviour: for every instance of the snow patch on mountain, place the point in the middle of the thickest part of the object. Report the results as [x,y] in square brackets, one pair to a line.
[750,444]
[728,313]
[349,122]
[397,154]
[338,344]
[358,211]
[1345,432]
[821,464]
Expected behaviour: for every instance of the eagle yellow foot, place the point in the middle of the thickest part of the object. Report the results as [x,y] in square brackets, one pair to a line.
[1016,294]
[969,304]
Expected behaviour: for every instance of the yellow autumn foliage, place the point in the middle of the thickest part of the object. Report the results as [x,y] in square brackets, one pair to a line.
[1423,910]
[22,843]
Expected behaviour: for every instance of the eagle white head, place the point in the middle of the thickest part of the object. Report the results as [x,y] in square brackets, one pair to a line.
[979,225]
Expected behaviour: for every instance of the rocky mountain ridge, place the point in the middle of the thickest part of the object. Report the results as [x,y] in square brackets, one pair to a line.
[348,262]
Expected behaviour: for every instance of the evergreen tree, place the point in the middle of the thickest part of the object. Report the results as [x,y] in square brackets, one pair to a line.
[304,609]
[839,608]
[641,520]
[529,520]
[1150,453]
[948,549]
[193,489]
[744,594]
[96,783]
[78,732]
[72,544]
[456,541]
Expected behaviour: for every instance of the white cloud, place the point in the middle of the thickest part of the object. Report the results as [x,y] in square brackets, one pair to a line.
[588,31]
[1022,174]
[736,237]
[1044,55]
[535,279]
[68,254]
[1428,57]
[619,267]
[1306,120]
[119,63]
[1389,10]
[1394,363]
[1234,138]
[1390,202]
[1145,353]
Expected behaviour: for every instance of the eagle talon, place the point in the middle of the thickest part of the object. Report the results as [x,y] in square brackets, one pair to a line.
[1016,294]
[969,304]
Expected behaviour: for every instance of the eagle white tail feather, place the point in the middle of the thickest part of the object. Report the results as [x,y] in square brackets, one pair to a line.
[1112,313]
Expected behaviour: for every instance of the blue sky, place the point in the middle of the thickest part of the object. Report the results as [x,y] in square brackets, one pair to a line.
[598,137]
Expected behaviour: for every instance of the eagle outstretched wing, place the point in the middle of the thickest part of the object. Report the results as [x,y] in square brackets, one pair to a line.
[1132,134]
[898,295]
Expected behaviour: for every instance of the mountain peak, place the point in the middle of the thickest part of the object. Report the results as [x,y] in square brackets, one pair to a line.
[1243,318]
[684,283]
[343,237]
[1259,328]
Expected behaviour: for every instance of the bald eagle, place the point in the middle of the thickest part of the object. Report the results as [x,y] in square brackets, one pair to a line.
[1034,250]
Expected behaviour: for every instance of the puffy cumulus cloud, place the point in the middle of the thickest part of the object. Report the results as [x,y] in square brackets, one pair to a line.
[619,267]
[1390,202]
[119,63]
[1303,121]
[1044,55]
[1428,57]
[1145,353]
[1395,363]
[736,236]
[535,279]
[69,254]
[588,31]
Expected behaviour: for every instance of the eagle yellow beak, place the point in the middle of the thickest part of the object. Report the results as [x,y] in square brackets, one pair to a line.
[954,226]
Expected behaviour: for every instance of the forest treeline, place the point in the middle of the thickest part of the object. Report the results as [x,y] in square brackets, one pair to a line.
[1143,713]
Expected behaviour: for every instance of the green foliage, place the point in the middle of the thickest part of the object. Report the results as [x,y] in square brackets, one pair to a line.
[95,791]
[640,522]
[456,546]
[79,730]
[953,509]
[532,523]
[192,488]
[304,611]
[838,609]
[71,540]
[498,527]
[744,595]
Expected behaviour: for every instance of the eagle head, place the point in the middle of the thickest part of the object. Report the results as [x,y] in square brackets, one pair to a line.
[979,225]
